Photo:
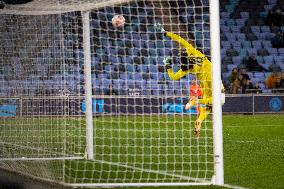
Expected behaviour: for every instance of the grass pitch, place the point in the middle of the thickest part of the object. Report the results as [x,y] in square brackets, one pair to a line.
[128,148]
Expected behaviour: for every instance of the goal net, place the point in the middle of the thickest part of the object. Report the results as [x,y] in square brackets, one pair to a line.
[84,103]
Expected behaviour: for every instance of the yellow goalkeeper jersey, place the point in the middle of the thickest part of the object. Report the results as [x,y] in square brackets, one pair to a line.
[202,70]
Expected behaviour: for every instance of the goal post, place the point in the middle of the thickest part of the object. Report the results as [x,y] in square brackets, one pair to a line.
[216,85]
[93,105]
[88,84]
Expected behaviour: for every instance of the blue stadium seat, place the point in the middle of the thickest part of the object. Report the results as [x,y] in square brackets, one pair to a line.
[96,82]
[123,76]
[226,44]
[230,67]
[130,68]
[265,29]
[244,15]
[223,52]
[152,82]
[252,51]
[268,59]
[257,79]
[281,51]
[222,22]
[169,44]
[142,83]
[266,44]
[153,52]
[178,92]
[237,44]
[241,36]
[246,44]
[225,15]
[279,59]
[160,44]
[242,51]
[177,85]
[230,22]
[255,29]
[114,59]
[269,35]
[154,75]
[260,36]
[240,22]
[119,83]
[154,86]
[153,68]
[237,59]
[256,44]
[281,66]
[159,61]
[153,60]
[236,29]
[138,43]
[259,74]
[109,68]
[231,36]
[168,92]
[185,83]
[158,91]
[138,68]
[133,51]
[102,76]
[272,51]
[225,29]
[260,59]
[161,52]
[137,76]
[144,36]
[145,68]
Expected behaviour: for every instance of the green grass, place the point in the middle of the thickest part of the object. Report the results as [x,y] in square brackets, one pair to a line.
[132,149]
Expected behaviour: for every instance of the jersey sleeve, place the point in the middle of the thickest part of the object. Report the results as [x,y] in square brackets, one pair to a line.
[176,76]
[189,48]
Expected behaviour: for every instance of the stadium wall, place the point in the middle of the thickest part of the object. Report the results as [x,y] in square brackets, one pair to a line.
[119,105]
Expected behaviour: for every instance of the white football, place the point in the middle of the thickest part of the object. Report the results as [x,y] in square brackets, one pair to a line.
[118,20]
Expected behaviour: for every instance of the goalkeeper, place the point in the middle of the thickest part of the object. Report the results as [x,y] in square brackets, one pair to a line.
[194,62]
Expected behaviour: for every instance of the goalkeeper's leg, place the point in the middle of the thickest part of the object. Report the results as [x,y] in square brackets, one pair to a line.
[203,112]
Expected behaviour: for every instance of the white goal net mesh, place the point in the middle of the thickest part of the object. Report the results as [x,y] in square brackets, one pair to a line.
[142,132]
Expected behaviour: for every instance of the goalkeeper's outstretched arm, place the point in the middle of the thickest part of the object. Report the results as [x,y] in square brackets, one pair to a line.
[189,48]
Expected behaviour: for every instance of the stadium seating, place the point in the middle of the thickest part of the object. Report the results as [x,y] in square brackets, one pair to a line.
[137,58]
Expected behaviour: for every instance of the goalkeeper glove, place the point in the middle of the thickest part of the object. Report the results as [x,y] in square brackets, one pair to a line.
[159,28]
[168,62]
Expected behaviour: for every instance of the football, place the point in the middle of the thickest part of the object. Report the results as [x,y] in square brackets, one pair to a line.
[118,21]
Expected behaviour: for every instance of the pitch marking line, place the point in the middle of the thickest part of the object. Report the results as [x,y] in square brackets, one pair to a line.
[230,126]
[252,141]
[154,171]
[233,187]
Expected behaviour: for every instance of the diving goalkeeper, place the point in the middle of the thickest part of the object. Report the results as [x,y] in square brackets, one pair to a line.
[194,62]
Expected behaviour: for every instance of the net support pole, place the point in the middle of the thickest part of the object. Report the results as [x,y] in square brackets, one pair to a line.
[88,84]
[216,92]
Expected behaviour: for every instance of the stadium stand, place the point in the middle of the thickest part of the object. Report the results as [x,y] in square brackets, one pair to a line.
[131,53]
